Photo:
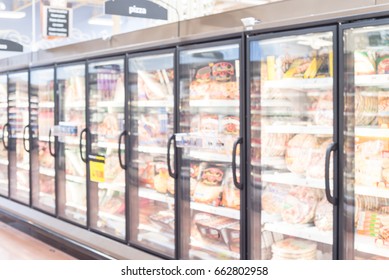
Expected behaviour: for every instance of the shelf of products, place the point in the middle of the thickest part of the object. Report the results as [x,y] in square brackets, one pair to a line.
[380,80]
[152,150]
[202,249]
[296,129]
[154,195]
[214,103]
[369,245]
[305,231]
[3,162]
[372,191]
[75,179]
[293,179]
[220,211]
[120,187]
[214,157]
[153,103]
[296,83]
[47,171]
[370,131]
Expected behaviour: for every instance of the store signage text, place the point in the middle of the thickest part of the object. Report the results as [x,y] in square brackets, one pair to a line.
[135,8]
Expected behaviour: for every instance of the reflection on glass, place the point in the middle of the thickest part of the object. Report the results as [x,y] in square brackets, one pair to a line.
[151,86]
[18,142]
[367,142]
[107,178]
[71,169]
[3,137]
[209,115]
[42,121]
[291,109]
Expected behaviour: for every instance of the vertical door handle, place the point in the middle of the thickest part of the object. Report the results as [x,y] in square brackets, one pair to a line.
[123,166]
[82,132]
[331,148]
[237,184]
[171,173]
[51,153]
[5,126]
[24,138]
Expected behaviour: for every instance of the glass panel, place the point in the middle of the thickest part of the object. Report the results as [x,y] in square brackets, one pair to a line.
[3,122]
[18,121]
[42,121]
[209,125]
[152,190]
[366,146]
[107,178]
[71,171]
[291,99]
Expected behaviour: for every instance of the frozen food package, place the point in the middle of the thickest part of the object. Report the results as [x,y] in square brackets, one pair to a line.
[383,110]
[300,205]
[366,107]
[273,197]
[209,187]
[152,129]
[163,220]
[324,215]
[231,194]
[323,110]
[274,144]
[315,168]
[298,152]
[364,63]
[154,85]
[163,183]
[230,125]
[294,249]
[382,60]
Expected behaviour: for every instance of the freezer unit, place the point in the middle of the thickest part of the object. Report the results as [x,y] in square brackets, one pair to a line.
[152,197]
[4,129]
[291,129]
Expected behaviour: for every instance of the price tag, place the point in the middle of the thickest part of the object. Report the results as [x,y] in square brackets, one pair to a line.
[96,168]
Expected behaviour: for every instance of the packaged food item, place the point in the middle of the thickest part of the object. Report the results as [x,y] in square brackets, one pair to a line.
[382,62]
[231,125]
[152,129]
[273,197]
[209,187]
[323,110]
[274,144]
[366,107]
[315,168]
[298,152]
[294,249]
[109,127]
[383,111]
[300,205]
[163,183]
[164,220]
[231,236]
[324,215]
[364,63]
[154,85]
[231,194]
[209,123]
[297,68]
[146,174]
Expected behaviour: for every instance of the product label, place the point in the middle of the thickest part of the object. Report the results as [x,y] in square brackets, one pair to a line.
[96,168]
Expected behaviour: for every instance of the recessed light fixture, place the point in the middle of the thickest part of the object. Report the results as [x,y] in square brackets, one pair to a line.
[12,14]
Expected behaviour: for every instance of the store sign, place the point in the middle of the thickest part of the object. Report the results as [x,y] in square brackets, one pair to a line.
[10,46]
[96,168]
[56,22]
[135,8]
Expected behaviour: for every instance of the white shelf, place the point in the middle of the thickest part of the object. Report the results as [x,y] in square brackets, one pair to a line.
[112,217]
[74,105]
[213,247]
[110,104]
[107,145]
[22,166]
[297,129]
[3,161]
[214,103]
[212,157]
[46,104]
[154,195]
[3,105]
[372,191]
[367,244]
[75,206]
[293,179]
[75,179]
[308,232]
[372,132]
[158,238]
[220,211]
[152,150]
[276,162]
[381,80]
[153,103]
[296,83]
[47,171]
[45,139]
[113,186]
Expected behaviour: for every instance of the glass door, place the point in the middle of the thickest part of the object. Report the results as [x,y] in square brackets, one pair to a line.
[106,123]
[152,190]
[4,136]
[366,141]
[208,138]
[71,133]
[18,115]
[43,146]
[291,87]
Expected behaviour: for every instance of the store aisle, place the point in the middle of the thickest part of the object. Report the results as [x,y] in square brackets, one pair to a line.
[16,245]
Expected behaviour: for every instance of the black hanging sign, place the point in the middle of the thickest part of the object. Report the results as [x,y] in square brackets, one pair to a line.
[57,22]
[135,8]
[10,46]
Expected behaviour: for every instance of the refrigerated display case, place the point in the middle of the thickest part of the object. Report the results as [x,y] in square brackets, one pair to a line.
[4,135]
[42,121]
[292,92]
[209,131]
[366,140]
[151,120]
[72,135]
[19,130]
[106,109]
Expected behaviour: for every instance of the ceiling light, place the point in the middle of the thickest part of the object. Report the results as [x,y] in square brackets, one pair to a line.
[12,14]
[100,21]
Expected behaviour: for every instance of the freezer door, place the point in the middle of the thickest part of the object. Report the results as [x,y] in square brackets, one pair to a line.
[152,190]
[366,142]
[42,145]
[19,156]
[106,123]
[3,136]
[291,89]
[71,172]
[209,130]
